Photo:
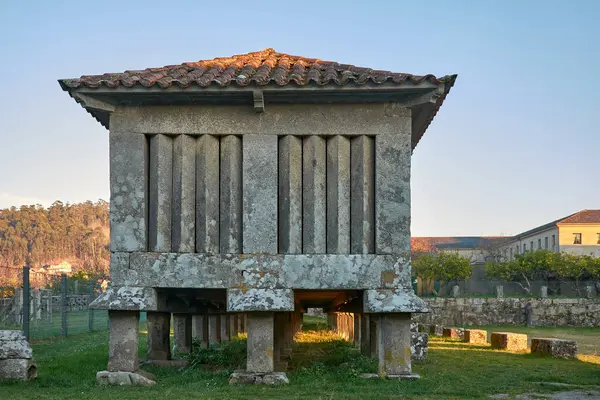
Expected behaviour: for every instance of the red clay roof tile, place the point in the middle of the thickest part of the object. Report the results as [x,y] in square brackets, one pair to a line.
[259,68]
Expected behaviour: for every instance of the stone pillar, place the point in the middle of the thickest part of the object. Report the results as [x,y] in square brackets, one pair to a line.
[159,329]
[200,329]
[260,342]
[224,328]
[233,325]
[279,341]
[394,346]
[365,339]
[544,291]
[123,341]
[182,333]
[288,335]
[357,332]
[374,335]
[213,329]
[243,323]
[455,291]
[590,292]
[499,291]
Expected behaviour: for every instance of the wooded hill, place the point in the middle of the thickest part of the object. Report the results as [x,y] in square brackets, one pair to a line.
[38,236]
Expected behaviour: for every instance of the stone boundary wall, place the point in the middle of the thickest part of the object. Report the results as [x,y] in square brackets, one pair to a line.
[511,311]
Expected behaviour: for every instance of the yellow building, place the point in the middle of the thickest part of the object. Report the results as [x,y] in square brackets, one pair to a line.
[578,234]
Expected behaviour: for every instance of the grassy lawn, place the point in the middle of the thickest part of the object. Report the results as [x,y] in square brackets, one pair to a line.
[323,367]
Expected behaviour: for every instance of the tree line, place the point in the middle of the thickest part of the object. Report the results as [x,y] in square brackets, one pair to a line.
[524,269]
[38,237]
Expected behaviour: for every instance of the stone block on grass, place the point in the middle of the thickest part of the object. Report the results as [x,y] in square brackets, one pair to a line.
[453,333]
[553,347]
[509,341]
[475,336]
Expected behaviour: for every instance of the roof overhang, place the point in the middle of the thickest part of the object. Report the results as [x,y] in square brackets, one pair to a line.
[423,98]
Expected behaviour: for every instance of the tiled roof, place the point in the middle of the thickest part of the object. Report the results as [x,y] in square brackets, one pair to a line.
[582,217]
[259,68]
[454,242]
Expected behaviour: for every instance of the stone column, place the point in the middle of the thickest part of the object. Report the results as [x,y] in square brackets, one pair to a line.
[213,329]
[182,333]
[357,332]
[260,342]
[224,328]
[159,329]
[374,335]
[394,346]
[365,339]
[123,341]
[288,332]
[233,325]
[200,329]
[279,341]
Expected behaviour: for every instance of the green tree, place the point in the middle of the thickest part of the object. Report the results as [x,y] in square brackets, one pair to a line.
[446,267]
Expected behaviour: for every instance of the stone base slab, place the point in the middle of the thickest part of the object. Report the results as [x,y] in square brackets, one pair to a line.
[121,378]
[18,369]
[253,378]
[453,333]
[475,336]
[558,348]
[509,341]
[391,377]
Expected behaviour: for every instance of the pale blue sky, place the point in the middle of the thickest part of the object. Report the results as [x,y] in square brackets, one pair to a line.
[515,145]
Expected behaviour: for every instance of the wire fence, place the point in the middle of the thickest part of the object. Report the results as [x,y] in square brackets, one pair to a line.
[46,305]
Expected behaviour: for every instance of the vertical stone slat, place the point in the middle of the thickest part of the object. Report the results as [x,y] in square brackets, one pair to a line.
[230,210]
[207,194]
[128,192]
[161,192]
[338,195]
[184,194]
[260,194]
[362,196]
[393,153]
[290,195]
[313,195]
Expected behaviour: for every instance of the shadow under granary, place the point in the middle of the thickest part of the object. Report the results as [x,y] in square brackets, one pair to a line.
[246,189]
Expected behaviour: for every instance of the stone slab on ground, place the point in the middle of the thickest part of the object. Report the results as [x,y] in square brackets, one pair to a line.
[15,349]
[553,347]
[253,378]
[453,333]
[509,341]
[18,369]
[393,377]
[475,336]
[122,378]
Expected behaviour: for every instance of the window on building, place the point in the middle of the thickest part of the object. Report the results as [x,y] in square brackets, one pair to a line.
[577,238]
[546,242]
[524,247]
[553,242]
[511,253]
[539,244]
[598,238]
[531,246]
[517,249]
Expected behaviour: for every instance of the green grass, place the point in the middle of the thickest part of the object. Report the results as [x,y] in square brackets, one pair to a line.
[323,367]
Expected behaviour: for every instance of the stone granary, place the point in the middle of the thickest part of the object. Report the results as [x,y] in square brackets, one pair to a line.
[260,185]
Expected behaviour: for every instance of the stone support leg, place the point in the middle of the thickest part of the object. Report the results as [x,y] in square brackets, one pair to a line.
[200,329]
[123,341]
[393,337]
[213,329]
[182,333]
[159,330]
[288,332]
[279,341]
[224,328]
[365,338]
[357,332]
[373,336]
[261,329]
[233,325]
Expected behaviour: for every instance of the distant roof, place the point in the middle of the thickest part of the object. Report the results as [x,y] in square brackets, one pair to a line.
[455,242]
[265,70]
[582,217]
